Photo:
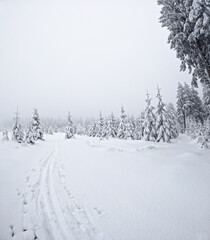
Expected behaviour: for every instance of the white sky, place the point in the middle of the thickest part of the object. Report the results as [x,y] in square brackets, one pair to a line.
[83,56]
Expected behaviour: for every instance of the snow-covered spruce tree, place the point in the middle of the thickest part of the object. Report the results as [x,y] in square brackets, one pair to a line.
[111,127]
[17,133]
[92,131]
[149,132]
[189,106]
[138,131]
[29,136]
[5,136]
[129,134]
[123,128]
[36,126]
[188,22]
[55,129]
[132,125]
[50,130]
[197,113]
[194,128]
[172,120]
[184,105]
[162,124]
[101,127]
[69,128]
[206,103]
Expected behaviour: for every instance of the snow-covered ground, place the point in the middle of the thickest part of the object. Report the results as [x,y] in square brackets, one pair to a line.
[84,188]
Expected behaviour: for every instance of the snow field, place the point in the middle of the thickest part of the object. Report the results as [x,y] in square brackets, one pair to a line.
[84,188]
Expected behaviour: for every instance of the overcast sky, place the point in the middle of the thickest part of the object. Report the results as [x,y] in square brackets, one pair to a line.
[83,56]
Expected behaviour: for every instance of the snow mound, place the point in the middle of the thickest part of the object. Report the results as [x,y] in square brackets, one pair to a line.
[148,147]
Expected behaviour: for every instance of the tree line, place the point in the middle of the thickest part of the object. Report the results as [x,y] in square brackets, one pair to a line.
[160,123]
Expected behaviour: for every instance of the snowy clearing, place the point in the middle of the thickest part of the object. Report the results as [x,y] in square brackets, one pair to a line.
[84,188]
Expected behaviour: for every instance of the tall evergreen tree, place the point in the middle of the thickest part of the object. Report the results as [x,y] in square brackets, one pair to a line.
[189,106]
[101,127]
[206,101]
[111,127]
[17,133]
[197,112]
[29,136]
[172,121]
[123,131]
[5,136]
[183,105]
[36,126]
[139,130]
[149,132]
[69,127]
[92,131]
[162,125]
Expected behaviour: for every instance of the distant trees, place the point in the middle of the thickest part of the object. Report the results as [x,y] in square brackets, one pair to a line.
[153,124]
[5,136]
[69,128]
[17,133]
[29,136]
[189,106]
[206,102]
[36,126]
[188,23]
[33,131]
[163,131]
[149,133]
[172,120]
[111,126]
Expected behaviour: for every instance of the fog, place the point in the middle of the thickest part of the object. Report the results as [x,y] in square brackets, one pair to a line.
[83,56]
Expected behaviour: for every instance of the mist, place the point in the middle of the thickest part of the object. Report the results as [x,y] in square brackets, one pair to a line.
[83,57]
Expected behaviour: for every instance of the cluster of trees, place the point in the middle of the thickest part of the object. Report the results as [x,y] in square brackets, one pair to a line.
[154,124]
[160,123]
[188,22]
[32,133]
[193,113]
[34,130]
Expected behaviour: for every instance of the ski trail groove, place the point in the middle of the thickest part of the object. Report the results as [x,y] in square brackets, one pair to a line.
[61,216]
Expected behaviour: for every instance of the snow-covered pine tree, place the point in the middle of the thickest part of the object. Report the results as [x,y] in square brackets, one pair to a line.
[188,22]
[129,128]
[111,127]
[162,124]
[149,132]
[194,129]
[101,127]
[189,106]
[171,117]
[206,103]
[17,133]
[122,127]
[55,128]
[138,131]
[132,123]
[36,126]
[69,128]
[92,131]
[183,105]
[29,136]
[5,136]
[197,113]
[50,130]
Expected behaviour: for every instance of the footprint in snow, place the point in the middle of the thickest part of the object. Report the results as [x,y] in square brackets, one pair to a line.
[98,211]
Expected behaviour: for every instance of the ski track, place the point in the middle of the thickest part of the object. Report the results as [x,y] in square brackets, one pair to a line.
[59,215]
